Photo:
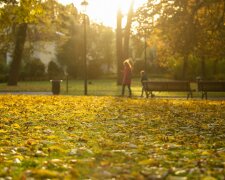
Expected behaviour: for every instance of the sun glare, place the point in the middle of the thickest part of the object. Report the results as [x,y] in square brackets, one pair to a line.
[105,11]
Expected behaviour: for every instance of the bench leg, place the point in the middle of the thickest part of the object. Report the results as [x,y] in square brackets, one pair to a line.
[149,93]
[146,93]
[204,95]
[152,95]
[189,94]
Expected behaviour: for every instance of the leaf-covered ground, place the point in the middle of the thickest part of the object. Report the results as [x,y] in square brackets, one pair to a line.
[65,137]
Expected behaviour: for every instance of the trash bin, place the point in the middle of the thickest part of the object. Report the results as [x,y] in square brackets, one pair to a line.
[56,86]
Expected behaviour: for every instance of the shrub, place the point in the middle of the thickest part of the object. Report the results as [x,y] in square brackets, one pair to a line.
[33,69]
[54,71]
[3,78]
[94,70]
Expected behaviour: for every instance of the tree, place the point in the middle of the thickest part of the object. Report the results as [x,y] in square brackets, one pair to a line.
[126,53]
[178,23]
[122,40]
[69,52]
[211,34]
[188,28]
[108,45]
[17,54]
[42,23]
[101,45]
[16,16]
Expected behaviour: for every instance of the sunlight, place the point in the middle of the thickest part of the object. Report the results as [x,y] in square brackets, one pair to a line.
[103,11]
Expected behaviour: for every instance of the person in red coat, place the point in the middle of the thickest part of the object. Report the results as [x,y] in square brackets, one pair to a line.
[127,74]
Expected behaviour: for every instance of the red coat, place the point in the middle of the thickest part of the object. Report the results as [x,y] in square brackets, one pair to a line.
[127,73]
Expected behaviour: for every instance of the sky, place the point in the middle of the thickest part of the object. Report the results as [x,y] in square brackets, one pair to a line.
[104,11]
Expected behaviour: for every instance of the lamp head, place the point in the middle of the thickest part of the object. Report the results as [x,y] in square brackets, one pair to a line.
[84,3]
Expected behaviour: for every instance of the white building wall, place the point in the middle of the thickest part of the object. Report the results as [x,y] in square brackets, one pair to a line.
[45,51]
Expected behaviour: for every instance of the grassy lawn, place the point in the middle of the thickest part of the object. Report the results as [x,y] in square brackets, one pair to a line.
[99,87]
[77,137]
[75,87]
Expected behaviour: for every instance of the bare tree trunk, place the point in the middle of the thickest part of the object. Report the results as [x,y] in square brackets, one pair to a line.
[127,31]
[123,49]
[17,54]
[119,47]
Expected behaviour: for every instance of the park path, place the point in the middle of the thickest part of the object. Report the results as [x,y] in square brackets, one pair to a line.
[28,93]
[135,97]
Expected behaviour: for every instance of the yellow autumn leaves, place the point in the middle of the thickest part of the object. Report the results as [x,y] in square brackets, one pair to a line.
[66,137]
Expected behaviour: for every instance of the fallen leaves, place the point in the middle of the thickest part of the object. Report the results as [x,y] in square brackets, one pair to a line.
[107,137]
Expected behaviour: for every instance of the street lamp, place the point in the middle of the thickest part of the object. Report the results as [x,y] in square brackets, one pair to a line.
[84,3]
[145,26]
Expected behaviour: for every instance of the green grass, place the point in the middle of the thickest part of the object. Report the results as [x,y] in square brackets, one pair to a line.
[75,87]
[98,87]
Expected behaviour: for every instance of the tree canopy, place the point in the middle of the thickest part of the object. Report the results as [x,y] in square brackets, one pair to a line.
[186,28]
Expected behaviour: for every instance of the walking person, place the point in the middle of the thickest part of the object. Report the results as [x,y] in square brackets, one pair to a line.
[127,75]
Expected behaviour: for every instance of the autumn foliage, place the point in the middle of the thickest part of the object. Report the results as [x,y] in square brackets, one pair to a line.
[65,137]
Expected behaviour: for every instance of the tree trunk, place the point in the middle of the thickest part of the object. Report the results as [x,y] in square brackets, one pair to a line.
[203,67]
[119,47]
[215,70]
[185,67]
[127,31]
[17,54]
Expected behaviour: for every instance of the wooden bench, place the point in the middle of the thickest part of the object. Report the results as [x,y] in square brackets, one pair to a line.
[170,86]
[210,86]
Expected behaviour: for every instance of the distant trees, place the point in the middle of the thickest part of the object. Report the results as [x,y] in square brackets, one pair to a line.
[69,47]
[187,30]
[29,22]
[101,51]
[184,37]
[100,42]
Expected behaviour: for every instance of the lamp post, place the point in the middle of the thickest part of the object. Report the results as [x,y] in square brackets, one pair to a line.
[145,26]
[84,3]
[145,49]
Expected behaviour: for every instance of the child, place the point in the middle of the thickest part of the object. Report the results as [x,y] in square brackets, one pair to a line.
[143,78]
